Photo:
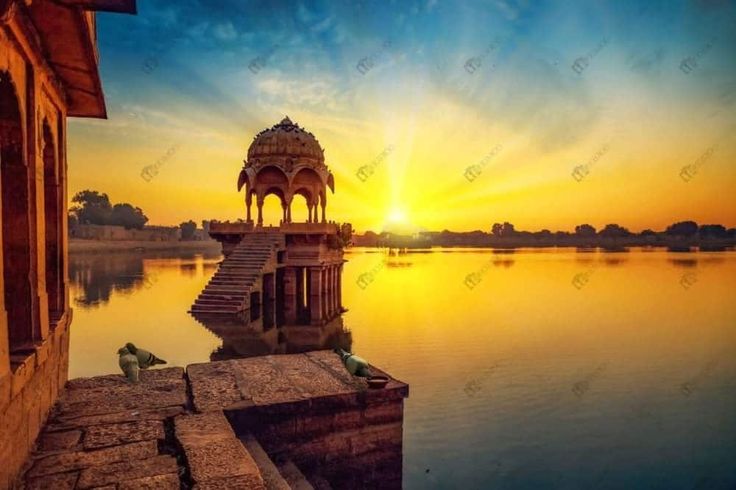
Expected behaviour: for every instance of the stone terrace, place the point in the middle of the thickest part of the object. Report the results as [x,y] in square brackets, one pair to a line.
[296,421]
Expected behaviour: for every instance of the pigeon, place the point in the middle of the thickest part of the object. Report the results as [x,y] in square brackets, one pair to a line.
[129,364]
[355,365]
[145,358]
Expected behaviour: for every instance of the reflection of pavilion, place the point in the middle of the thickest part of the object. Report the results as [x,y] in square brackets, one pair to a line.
[242,337]
[288,274]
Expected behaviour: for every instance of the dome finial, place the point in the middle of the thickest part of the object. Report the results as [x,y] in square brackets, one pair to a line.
[286,120]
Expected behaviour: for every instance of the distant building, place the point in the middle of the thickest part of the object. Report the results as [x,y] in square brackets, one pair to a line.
[48,72]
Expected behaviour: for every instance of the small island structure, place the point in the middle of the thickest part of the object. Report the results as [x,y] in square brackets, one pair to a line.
[290,272]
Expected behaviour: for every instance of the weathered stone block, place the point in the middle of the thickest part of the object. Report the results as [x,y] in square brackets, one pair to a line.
[61,481]
[348,420]
[215,456]
[70,422]
[42,352]
[121,471]
[311,425]
[6,385]
[108,394]
[375,437]
[58,463]
[13,437]
[158,482]
[384,412]
[58,441]
[25,366]
[99,436]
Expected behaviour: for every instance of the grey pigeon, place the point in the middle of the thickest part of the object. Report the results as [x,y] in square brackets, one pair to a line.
[145,358]
[129,364]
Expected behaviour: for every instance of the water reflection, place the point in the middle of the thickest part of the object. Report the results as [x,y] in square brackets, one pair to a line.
[99,275]
[684,262]
[242,337]
[95,277]
[505,379]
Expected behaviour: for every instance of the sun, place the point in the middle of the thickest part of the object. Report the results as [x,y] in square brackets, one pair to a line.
[397,216]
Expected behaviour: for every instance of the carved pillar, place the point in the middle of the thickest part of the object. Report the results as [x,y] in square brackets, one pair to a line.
[269,300]
[316,305]
[323,202]
[339,288]
[301,293]
[290,296]
[335,305]
[259,204]
[248,202]
[328,293]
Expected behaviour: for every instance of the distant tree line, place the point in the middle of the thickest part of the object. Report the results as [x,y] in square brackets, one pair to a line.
[505,234]
[94,208]
[612,230]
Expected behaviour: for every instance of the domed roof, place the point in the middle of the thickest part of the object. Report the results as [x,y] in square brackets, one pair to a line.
[285,144]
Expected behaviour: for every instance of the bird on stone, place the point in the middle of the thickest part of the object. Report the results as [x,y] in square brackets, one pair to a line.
[145,358]
[357,366]
[129,364]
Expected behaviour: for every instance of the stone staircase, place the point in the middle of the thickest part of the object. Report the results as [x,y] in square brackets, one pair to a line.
[239,274]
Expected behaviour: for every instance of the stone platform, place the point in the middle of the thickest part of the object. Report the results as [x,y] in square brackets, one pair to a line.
[287,421]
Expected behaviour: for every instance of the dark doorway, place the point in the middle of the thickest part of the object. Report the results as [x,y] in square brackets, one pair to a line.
[14,181]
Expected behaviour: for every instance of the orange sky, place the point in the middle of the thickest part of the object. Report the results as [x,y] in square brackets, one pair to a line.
[524,99]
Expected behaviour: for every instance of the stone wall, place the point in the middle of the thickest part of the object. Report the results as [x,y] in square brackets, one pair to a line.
[358,445]
[27,395]
[308,409]
[113,232]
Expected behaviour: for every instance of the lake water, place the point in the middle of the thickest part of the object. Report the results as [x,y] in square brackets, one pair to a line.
[529,370]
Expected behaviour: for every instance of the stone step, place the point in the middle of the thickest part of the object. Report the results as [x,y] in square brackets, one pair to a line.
[242,275]
[319,482]
[293,476]
[237,273]
[232,281]
[270,473]
[213,300]
[241,267]
[215,309]
[224,292]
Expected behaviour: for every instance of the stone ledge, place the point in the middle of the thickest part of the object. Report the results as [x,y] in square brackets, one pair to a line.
[33,359]
[122,471]
[107,433]
[64,462]
[285,384]
[104,395]
[64,423]
[216,458]
[99,436]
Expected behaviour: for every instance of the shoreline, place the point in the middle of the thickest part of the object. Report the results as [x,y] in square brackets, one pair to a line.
[77,246]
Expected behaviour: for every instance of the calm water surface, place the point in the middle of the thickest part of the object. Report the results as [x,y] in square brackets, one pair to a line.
[533,369]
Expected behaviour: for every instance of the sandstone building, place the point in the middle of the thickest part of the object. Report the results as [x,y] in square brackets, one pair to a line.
[48,72]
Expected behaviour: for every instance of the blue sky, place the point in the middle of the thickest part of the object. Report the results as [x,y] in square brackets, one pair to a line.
[444,82]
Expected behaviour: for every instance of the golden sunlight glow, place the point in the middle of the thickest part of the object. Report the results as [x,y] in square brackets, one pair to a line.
[397,216]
